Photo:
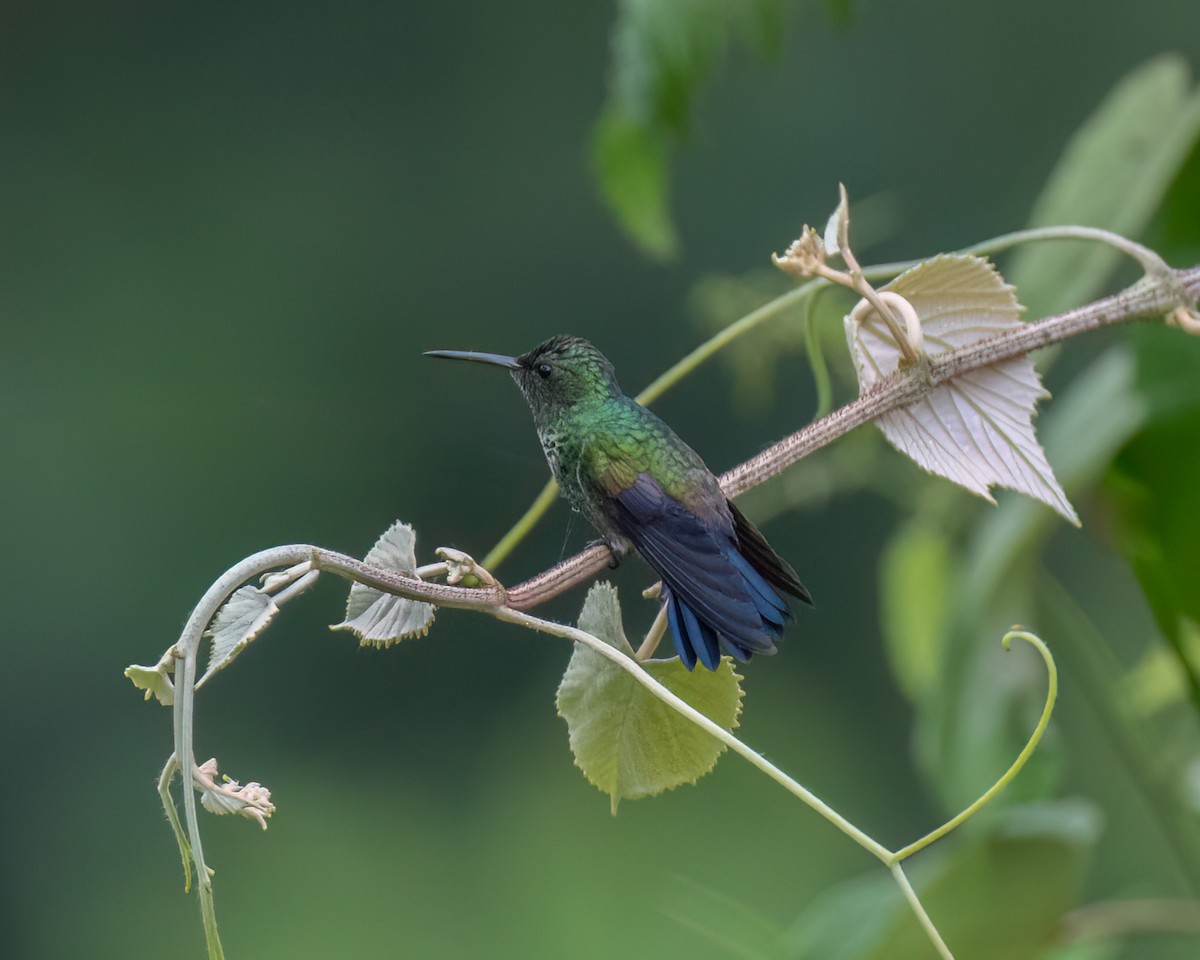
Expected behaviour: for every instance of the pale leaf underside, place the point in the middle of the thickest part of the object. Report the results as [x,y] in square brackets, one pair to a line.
[243,617]
[977,429]
[380,619]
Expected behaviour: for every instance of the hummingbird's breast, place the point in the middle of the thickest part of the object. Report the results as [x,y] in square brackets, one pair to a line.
[586,450]
[566,448]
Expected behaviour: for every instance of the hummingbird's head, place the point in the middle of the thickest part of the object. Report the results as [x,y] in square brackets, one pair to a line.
[555,375]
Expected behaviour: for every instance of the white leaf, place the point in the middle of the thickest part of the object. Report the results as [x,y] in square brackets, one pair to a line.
[976,429]
[239,621]
[379,618]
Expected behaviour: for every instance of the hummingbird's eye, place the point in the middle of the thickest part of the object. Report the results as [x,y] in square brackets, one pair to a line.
[544,370]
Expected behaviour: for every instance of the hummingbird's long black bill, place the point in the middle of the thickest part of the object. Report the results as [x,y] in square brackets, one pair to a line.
[495,359]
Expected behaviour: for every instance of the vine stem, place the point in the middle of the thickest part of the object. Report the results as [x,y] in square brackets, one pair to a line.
[1147,298]
[1154,266]
[183,716]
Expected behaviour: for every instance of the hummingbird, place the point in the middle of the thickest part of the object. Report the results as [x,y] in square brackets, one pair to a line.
[640,485]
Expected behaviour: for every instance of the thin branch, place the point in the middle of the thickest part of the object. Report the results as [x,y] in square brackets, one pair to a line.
[1147,298]
[803,295]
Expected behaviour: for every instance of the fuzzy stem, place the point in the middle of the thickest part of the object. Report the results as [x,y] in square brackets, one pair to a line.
[1148,259]
[492,601]
[1146,298]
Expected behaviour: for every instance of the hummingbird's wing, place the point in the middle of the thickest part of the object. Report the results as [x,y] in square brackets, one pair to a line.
[777,571]
[716,599]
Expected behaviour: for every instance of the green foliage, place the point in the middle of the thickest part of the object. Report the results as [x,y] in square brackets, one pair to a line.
[916,581]
[845,921]
[1153,484]
[629,161]
[663,52]
[627,742]
[1113,174]
[753,360]
[1001,897]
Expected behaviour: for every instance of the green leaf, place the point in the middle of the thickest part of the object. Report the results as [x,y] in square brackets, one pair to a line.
[243,617]
[663,51]
[380,619]
[1000,896]
[1157,681]
[630,164]
[626,741]
[1114,174]
[917,581]
[1177,233]
[756,359]
[976,429]
[1153,485]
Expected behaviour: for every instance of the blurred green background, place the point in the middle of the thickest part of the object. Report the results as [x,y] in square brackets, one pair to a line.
[229,232]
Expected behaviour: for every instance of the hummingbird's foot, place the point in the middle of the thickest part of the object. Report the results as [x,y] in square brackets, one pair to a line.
[616,549]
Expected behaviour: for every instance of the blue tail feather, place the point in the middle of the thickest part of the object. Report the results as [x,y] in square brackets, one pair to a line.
[722,583]
[703,638]
[687,653]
